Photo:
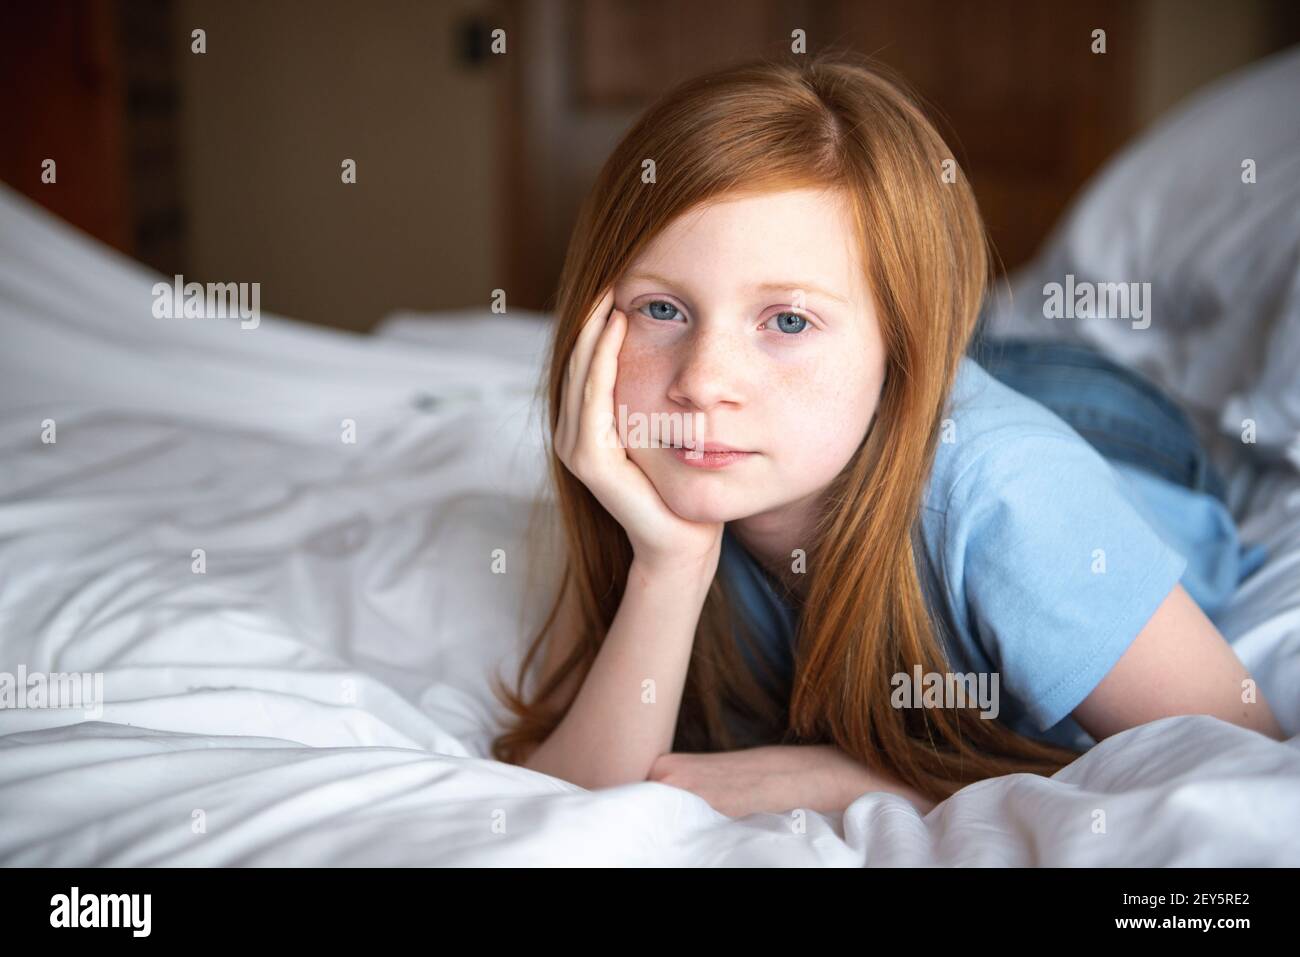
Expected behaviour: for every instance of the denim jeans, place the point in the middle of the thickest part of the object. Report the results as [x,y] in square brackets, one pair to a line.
[1124,416]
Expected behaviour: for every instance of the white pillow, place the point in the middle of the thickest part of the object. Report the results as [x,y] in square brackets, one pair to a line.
[1221,255]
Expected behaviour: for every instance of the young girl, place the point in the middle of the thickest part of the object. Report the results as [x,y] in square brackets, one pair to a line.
[786,615]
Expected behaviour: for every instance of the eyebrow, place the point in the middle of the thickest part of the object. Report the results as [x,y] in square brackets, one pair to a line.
[759,287]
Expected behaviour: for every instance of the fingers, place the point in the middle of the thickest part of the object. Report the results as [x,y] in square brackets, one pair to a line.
[578,364]
[580,359]
[598,393]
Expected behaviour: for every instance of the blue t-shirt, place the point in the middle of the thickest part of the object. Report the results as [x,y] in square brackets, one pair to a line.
[1042,559]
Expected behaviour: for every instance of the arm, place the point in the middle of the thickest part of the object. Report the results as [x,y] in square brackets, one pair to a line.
[778,778]
[610,734]
[615,727]
[1178,664]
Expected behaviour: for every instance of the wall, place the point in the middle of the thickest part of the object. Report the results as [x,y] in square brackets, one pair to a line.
[1188,43]
[284,93]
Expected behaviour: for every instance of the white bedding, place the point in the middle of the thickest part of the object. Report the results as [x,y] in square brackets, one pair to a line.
[319,695]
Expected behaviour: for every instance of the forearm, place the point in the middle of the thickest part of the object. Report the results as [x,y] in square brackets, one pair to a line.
[618,724]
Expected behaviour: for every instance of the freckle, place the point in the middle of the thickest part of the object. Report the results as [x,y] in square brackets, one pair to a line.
[791,376]
[635,367]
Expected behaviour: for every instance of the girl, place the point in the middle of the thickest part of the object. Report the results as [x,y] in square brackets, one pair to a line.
[787,614]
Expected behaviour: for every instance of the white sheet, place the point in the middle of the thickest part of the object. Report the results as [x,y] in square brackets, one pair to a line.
[319,696]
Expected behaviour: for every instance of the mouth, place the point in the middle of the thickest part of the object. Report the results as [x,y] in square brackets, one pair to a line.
[708,447]
[712,455]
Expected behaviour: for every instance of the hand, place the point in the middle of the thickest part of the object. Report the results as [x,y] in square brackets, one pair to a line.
[851,779]
[587,442]
[778,778]
[773,779]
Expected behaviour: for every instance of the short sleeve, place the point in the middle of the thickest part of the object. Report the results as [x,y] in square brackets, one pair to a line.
[1050,564]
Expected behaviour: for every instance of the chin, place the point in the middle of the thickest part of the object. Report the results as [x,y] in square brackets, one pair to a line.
[696,501]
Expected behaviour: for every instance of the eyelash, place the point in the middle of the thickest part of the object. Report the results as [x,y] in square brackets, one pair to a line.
[785,312]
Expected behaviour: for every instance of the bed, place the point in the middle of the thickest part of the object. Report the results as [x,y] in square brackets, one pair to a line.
[296,632]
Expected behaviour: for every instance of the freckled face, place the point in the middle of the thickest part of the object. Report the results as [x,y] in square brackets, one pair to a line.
[790,372]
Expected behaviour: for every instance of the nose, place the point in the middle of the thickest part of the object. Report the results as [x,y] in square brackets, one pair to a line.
[709,371]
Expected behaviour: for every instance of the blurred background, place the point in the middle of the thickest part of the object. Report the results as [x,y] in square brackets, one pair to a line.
[226,165]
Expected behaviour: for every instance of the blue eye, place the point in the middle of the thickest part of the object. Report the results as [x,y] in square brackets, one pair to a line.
[660,302]
[793,324]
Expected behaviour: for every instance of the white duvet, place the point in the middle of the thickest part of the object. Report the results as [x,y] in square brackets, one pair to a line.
[318,694]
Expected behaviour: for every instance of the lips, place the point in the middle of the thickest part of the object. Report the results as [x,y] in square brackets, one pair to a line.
[711,459]
[712,447]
